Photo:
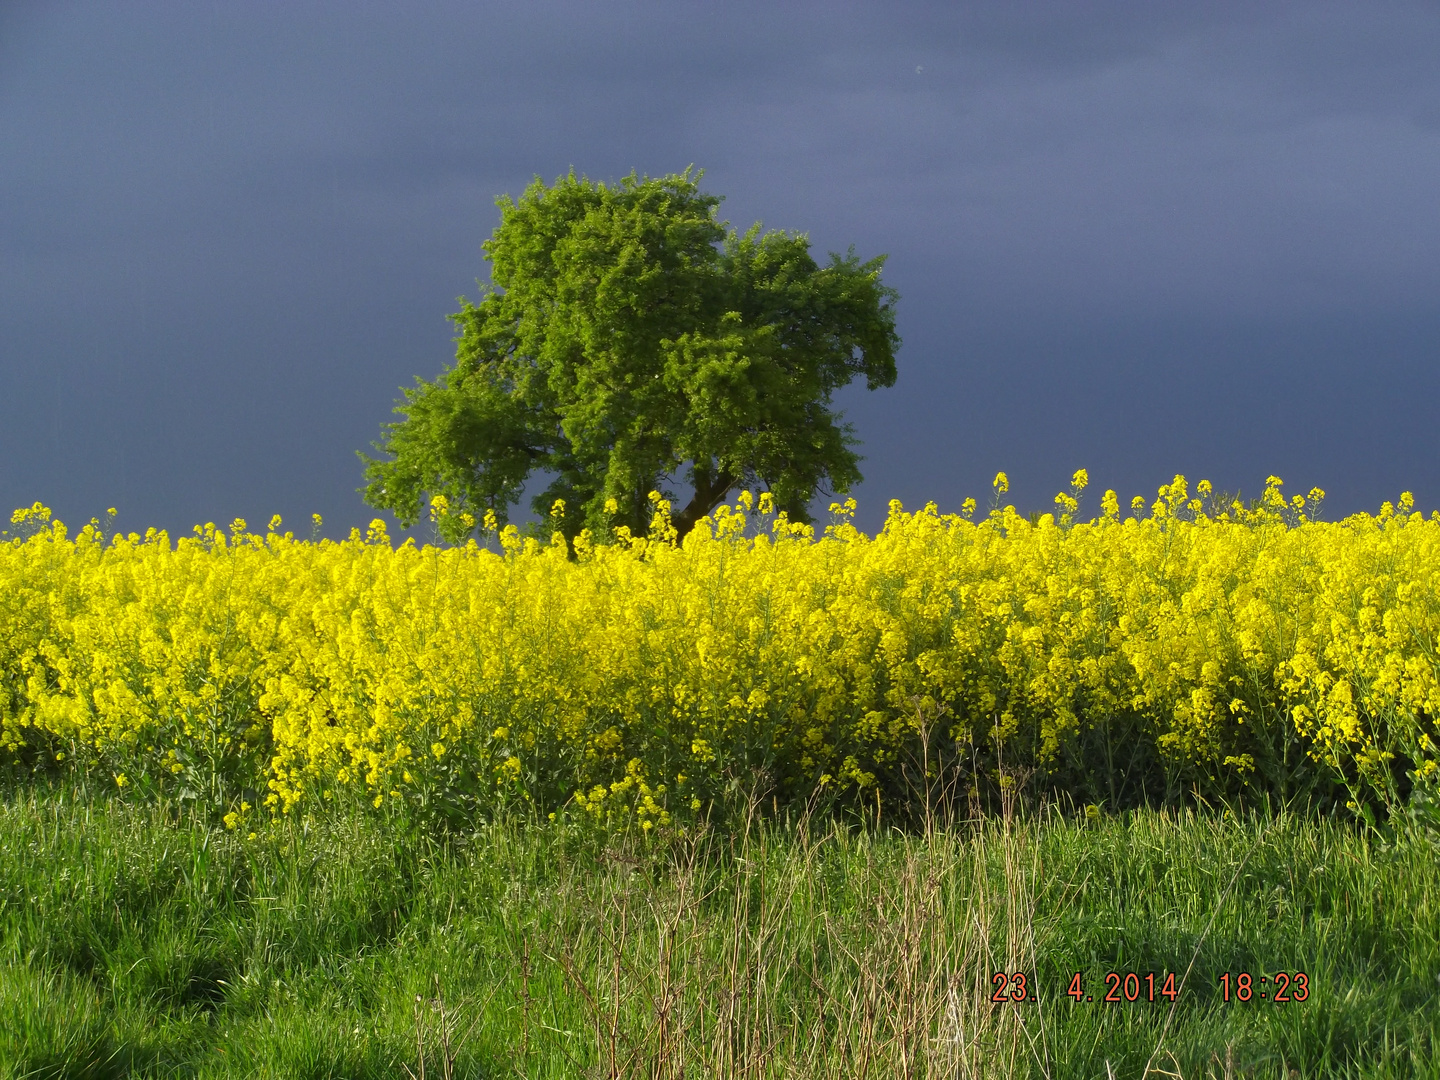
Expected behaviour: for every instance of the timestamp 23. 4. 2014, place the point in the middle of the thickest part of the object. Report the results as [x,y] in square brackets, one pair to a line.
[1130,986]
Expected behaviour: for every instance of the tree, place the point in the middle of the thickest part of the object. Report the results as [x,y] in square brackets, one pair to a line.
[630,341]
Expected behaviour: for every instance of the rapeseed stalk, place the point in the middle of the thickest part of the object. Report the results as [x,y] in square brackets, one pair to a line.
[1194,649]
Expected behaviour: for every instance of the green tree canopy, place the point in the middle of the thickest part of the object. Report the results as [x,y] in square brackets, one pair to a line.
[631,341]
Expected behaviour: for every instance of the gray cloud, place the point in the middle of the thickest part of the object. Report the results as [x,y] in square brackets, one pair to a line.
[1144,238]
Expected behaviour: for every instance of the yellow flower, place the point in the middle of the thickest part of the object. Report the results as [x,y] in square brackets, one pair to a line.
[311,668]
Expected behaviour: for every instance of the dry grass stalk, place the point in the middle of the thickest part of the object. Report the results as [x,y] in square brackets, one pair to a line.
[694,972]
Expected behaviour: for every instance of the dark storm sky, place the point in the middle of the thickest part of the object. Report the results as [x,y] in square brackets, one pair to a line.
[1141,238]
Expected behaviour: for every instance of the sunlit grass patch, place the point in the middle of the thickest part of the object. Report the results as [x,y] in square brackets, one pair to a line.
[149,942]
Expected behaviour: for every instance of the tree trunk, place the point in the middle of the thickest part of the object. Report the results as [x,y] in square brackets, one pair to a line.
[708,493]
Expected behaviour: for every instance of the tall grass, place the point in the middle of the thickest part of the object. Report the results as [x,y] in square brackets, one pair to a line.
[136,940]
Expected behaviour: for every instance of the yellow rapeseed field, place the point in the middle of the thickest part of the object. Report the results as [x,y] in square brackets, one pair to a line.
[1185,648]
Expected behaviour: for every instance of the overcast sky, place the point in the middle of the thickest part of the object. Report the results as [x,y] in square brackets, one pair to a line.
[1143,238]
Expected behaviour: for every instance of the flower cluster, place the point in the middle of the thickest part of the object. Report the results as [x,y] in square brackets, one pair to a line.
[1188,647]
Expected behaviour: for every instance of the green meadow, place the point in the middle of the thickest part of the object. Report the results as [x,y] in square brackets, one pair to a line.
[137,939]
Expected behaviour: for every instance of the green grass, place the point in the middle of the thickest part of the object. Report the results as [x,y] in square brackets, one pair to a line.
[133,943]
